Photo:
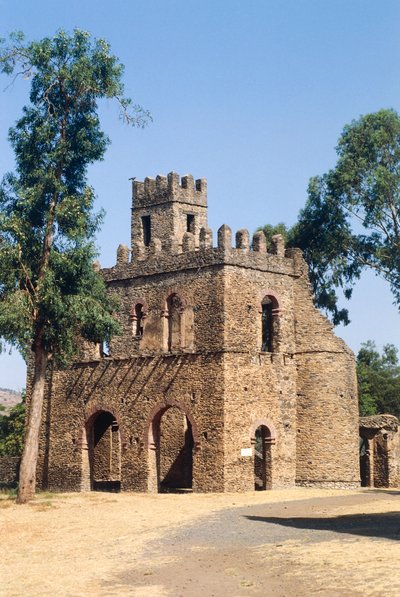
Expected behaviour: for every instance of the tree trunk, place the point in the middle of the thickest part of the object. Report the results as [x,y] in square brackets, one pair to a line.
[27,473]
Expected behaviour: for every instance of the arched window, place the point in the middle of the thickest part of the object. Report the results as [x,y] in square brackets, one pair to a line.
[269,324]
[175,312]
[138,315]
[138,321]
[266,325]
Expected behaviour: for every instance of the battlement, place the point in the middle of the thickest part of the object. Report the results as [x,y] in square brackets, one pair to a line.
[167,255]
[167,189]
[204,240]
[166,208]
[169,228]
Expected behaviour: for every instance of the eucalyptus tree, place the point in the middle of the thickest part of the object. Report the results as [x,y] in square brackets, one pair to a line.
[50,293]
[351,220]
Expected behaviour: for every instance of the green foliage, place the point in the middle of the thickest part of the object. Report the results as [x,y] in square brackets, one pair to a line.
[49,290]
[319,243]
[378,380]
[351,219]
[281,228]
[12,430]
[324,234]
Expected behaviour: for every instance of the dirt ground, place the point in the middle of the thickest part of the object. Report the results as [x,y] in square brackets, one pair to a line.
[280,543]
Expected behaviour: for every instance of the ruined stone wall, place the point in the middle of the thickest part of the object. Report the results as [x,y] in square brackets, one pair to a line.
[393,446]
[381,461]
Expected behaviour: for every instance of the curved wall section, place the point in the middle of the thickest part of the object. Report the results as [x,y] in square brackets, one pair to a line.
[327,415]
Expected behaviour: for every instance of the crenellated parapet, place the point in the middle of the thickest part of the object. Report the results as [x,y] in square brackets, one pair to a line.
[170,230]
[170,188]
[167,208]
[198,251]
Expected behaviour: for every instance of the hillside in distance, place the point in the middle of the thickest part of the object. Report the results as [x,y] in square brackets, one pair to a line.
[8,399]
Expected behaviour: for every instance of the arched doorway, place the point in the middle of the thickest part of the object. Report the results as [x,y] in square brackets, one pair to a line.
[104,451]
[374,460]
[365,463]
[170,451]
[262,444]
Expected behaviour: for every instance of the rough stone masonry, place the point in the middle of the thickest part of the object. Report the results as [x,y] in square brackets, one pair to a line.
[225,377]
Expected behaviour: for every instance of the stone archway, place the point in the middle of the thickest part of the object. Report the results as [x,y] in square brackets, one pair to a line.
[262,438]
[365,462]
[101,453]
[171,442]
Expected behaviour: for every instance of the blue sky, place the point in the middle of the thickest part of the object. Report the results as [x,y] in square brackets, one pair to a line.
[250,94]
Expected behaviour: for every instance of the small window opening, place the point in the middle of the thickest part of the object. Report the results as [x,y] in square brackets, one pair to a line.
[190,223]
[139,319]
[105,348]
[174,305]
[267,325]
[146,226]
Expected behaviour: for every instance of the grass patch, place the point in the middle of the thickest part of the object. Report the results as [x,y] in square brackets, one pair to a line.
[8,492]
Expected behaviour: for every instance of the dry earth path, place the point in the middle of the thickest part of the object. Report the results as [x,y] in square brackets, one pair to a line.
[281,543]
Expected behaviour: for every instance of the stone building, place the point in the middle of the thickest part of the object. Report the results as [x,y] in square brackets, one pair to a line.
[225,377]
[379,451]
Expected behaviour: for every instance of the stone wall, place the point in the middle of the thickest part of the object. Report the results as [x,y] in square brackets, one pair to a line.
[327,407]
[176,450]
[135,391]
[9,469]
[380,451]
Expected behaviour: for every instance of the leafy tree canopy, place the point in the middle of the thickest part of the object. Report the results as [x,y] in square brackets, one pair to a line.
[48,288]
[378,380]
[281,228]
[351,220]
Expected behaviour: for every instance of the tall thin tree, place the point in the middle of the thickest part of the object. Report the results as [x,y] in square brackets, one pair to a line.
[49,291]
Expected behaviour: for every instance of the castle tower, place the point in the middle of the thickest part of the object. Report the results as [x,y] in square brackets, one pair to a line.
[224,377]
[166,208]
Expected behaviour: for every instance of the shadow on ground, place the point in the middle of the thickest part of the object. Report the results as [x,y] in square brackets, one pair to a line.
[383,526]
[385,491]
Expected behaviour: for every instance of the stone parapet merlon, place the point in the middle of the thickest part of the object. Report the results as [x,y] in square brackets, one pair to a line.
[169,256]
[167,189]
[170,231]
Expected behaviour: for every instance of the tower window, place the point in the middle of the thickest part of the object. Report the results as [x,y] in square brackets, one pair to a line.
[139,320]
[267,325]
[190,223]
[175,313]
[270,324]
[146,227]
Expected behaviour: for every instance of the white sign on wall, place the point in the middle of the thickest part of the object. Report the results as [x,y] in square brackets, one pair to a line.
[246,452]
